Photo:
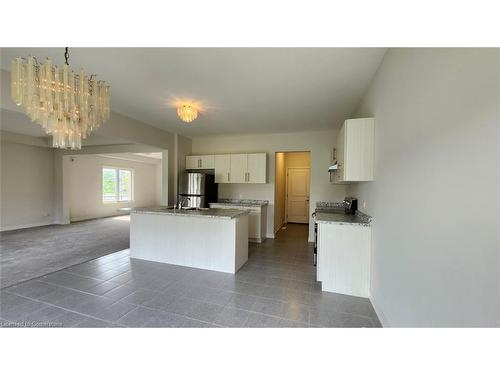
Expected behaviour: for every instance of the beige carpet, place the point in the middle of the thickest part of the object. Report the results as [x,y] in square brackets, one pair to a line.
[33,252]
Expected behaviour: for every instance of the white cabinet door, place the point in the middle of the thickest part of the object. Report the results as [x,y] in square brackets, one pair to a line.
[254,225]
[355,151]
[207,161]
[238,168]
[344,258]
[256,172]
[193,162]
[222,164]
[358,151]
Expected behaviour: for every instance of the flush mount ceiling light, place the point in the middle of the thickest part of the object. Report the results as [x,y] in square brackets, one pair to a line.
[187,112]
[68,105]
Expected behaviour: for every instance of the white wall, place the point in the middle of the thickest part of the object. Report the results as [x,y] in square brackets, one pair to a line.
[27,186]
[319,143]
[85,184]
[436,195]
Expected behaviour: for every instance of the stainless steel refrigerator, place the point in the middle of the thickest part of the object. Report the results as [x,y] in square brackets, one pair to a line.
[200,188]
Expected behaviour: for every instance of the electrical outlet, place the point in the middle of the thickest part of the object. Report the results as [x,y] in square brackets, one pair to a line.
[45,214]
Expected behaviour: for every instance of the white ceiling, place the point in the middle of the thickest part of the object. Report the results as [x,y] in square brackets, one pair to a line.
[244,90]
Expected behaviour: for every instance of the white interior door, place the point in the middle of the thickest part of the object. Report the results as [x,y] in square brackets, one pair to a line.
[297,182]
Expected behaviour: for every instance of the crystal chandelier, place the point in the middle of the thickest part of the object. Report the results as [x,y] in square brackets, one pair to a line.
[187,113]
[68,105]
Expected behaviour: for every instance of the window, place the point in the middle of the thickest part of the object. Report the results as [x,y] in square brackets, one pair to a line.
[116,185]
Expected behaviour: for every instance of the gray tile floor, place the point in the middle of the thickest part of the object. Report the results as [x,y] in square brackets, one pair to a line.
[275,288]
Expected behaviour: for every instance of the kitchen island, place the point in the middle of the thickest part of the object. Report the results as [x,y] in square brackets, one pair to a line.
[212,239]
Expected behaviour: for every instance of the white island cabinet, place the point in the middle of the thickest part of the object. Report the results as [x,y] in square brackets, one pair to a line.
[212,239]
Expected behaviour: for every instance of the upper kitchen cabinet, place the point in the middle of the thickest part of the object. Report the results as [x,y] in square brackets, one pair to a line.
[222,164]
[248,168]
[355,144]
[238,168]
[257,168]
[233,168]
[200,162]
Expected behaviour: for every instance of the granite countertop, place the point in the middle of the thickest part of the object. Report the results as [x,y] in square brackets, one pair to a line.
[343,219]
[217,213]
[243,202]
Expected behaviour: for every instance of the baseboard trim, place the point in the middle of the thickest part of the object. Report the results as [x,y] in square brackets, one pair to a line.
[279,227]
[269,235]
[380,314]
[25,226]
[91,217]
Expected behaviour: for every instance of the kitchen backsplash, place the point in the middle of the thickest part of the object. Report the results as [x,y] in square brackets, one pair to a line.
[339,205]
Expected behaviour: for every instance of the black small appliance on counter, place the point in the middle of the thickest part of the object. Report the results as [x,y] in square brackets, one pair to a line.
[350,205]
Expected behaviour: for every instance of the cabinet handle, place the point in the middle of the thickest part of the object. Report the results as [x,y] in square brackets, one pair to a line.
[199,163]
[228,177]
[248,178]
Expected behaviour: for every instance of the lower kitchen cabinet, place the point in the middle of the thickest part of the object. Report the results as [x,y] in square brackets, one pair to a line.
[343,263]
[257,220]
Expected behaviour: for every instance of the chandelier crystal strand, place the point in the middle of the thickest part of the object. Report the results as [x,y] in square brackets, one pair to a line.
[68,106]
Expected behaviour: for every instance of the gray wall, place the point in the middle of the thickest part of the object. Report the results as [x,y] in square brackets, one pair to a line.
[435,198]
[27,185]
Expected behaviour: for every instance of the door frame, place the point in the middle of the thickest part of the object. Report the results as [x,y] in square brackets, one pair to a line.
[286,191]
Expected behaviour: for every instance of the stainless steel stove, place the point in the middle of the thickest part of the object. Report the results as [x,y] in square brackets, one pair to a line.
[320,209]
[337,208]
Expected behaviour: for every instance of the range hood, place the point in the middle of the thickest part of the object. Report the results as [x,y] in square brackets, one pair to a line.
[334,167]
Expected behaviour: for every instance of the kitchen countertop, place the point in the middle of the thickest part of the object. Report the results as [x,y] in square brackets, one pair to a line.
[243,202]
[217,213]
[343,219]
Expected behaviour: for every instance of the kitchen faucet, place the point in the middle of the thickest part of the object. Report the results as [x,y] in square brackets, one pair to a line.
[181,201]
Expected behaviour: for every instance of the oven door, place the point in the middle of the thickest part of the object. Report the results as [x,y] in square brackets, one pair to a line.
[315,254]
